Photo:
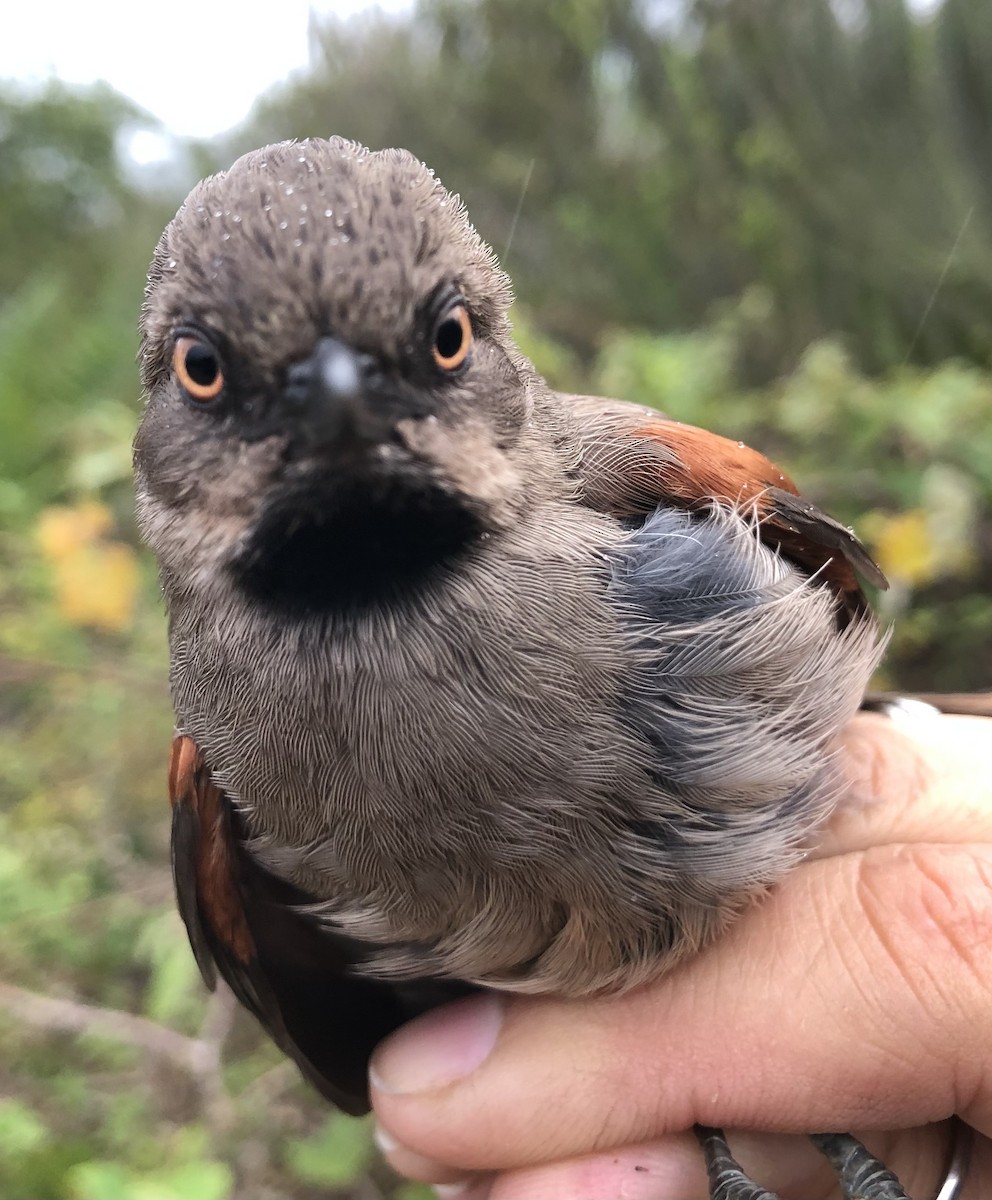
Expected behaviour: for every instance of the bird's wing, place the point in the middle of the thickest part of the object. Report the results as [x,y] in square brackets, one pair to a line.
[634,459]
[291,970]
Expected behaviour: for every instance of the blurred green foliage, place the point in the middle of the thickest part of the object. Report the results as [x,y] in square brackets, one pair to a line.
[759,215]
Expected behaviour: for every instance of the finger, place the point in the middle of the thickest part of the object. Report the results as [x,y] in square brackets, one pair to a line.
[672,1169]
[864,976]
[923,778]
[408,1162]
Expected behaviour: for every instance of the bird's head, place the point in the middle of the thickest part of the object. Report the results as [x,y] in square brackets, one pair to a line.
[334,403]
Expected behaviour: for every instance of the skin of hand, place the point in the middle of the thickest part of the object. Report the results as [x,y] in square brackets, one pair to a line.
[858,995]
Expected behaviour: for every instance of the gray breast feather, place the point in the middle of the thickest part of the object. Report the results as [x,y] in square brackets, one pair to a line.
[597,759]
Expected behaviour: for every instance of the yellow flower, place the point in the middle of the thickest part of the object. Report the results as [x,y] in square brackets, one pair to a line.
[96,578]
[904,547]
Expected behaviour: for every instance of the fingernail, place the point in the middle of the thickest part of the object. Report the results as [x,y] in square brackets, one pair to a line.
[908,712]
[448,1182]
[438,1048]
[384,1140]
[469,1189]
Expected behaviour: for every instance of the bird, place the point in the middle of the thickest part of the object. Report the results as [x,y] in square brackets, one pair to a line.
[477,684]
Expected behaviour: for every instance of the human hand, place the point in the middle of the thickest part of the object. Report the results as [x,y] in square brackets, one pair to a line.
[857,996]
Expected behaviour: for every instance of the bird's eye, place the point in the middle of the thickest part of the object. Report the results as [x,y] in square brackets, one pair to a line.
[197,368]
[453,338]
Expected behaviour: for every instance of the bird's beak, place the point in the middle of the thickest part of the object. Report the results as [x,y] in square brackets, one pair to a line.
[328,401]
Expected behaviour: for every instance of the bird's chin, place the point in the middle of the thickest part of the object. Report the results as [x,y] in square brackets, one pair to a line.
[321,549]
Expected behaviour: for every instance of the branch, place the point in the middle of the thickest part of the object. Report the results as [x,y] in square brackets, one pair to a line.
[198,1057]
[71,1016]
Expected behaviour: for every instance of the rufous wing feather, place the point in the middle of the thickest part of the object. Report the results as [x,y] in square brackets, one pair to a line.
[293,971]
[634,459]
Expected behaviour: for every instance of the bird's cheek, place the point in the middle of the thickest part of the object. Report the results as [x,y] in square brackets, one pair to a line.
[200,527]
[467,463]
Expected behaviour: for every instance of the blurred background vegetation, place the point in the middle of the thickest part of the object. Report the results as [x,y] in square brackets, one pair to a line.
[769,217]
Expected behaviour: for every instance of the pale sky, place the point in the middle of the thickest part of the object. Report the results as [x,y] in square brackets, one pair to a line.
[197,66]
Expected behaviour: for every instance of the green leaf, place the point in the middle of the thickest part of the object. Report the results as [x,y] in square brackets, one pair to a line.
[99,1181]
[203,1180]
[334,1156]
[175,982]
[21,1129]
[414,1191]
[206,1180]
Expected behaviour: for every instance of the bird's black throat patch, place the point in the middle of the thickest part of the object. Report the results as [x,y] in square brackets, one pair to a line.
[346,549]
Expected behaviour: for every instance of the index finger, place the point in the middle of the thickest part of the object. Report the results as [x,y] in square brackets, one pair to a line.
[921,778]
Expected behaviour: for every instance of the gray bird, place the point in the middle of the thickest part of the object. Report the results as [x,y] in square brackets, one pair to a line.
[476,684]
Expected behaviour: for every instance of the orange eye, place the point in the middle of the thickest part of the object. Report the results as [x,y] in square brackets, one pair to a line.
[197,368]
[453,338]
